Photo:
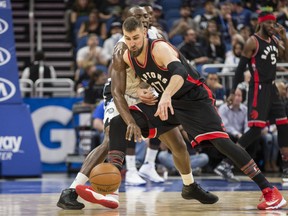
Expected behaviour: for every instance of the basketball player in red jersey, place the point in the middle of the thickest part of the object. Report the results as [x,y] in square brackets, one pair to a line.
[261,53]
[184,99]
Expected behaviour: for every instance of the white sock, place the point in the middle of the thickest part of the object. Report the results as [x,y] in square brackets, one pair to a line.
[187,178]
[150,156]
[80,179]
[130,162]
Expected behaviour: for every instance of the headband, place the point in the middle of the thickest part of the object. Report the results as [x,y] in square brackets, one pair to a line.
[266,17]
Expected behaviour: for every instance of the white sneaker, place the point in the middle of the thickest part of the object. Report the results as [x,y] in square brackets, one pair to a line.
[132,178]
[148,171]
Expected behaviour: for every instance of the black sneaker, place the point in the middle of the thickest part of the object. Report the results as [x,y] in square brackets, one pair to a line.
[225,170]
[194,191]
[68,200]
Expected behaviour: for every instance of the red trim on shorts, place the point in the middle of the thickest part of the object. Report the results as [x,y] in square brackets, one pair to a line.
[134,107]
[152,132]
[281,121]
[208,136]
[256,82]
[257,123]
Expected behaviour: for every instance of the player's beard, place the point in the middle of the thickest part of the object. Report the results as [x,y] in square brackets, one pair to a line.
[267,33]
[136,53]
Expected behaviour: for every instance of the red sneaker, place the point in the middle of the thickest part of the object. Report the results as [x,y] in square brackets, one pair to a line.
[273,199]
[88,194]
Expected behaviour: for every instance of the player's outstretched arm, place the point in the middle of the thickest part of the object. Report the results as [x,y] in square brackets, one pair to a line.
[166,56]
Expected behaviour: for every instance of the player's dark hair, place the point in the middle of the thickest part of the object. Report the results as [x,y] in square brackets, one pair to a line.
[131,24]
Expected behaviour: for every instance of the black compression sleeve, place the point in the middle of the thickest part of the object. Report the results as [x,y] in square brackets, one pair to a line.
[178,68]
[239,77]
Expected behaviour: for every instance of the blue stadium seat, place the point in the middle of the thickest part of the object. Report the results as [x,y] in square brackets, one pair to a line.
[172,13]
[171,4]
[176,40]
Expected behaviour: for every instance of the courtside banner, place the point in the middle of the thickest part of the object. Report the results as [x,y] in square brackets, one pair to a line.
[19,153]
[9,83]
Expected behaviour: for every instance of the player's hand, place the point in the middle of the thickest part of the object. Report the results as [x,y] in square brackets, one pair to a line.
[133,130]
[281,31]
[147,96]
[163,106]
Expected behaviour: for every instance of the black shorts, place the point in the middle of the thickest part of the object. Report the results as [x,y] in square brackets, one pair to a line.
[265,106]
[153,126]
[198,115]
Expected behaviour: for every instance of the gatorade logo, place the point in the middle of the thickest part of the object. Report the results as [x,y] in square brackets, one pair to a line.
[4,56]
[3,26]
[7,89]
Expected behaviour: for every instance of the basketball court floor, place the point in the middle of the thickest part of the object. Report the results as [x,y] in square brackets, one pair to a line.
[39,197]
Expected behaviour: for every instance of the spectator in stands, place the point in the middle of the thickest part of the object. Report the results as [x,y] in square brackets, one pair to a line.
[116,35]
[193,50]
[93,26]
[234,117]
[182,24]
[234,58]
[197,160]
[93,91]
[244,31]
[269,138]
[212,82]
[84,77]
[111,9]
[92,53]
[253,22]
[226,24]
[239,13]
[39,70]
[215,49]
[81,8]
[282,13]
[158,18]
[209,14]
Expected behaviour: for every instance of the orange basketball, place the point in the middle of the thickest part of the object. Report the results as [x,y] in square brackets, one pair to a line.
[105,178]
